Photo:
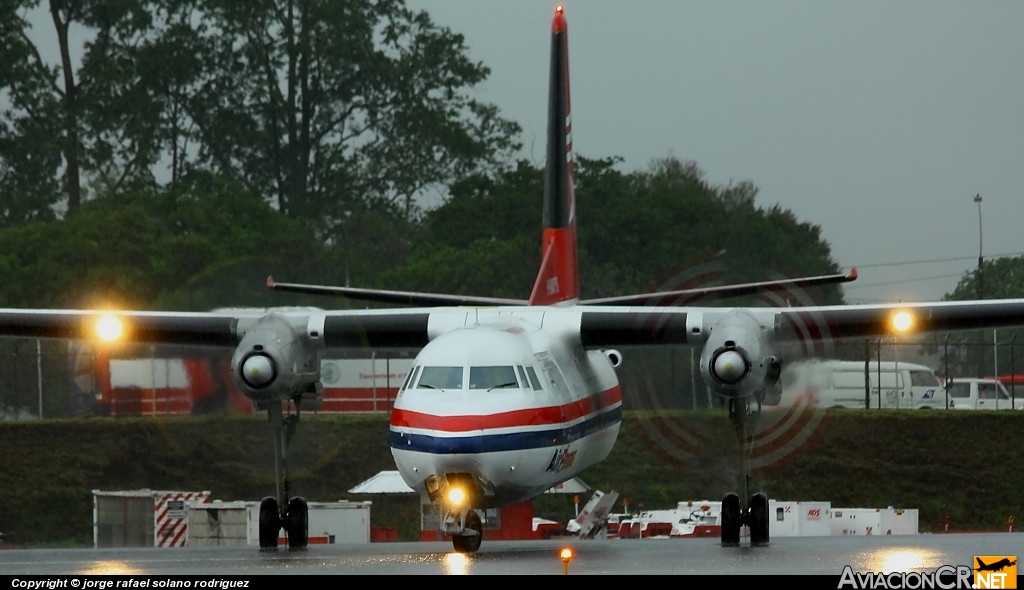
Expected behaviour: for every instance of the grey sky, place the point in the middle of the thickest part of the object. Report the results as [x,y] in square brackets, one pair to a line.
[878,121]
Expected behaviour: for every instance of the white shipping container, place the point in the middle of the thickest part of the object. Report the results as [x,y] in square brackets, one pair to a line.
[218,523]
[857,521]
[900,522]
[330,523]
[142,518]
[799,519]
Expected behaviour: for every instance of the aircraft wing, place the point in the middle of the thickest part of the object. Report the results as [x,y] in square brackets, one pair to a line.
[599,326]
[376,329]
[625,326]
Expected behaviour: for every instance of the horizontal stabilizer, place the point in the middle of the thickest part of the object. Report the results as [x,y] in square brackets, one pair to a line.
[662,298]
[414,298]
[688,296]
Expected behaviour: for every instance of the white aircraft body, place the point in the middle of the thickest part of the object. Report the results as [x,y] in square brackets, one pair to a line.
[507,398]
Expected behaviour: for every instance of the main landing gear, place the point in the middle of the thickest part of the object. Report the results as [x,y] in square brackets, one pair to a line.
[755,514]
[278,513]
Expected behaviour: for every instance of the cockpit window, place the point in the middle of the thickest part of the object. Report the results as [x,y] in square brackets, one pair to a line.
[503,377]
[534,379]
[441,378]
[522,376]
[410,378]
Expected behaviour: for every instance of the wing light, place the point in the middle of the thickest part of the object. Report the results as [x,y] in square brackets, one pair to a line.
[902,321]
[109,328]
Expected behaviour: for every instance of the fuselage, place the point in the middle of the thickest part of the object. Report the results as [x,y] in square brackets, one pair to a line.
[509,397]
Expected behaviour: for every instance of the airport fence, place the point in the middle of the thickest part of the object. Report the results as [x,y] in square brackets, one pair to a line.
[56,379]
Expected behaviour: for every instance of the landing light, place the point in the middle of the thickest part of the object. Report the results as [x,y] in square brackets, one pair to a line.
[456,496]
[109,328]
[902,321]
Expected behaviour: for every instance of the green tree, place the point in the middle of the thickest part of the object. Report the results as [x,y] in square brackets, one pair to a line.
[205,243]
[316,105]
[666,228]
[29,158]
[61,122]
[480,240]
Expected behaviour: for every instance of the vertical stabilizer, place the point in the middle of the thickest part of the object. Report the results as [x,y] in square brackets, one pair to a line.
[558,279]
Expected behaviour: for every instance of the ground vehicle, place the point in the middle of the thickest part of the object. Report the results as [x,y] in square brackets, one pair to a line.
[979,394]
[167,380]
[846,384]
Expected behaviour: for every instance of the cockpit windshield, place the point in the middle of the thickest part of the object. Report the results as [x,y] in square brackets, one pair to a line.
[485,378]
[441,378]
[488,378]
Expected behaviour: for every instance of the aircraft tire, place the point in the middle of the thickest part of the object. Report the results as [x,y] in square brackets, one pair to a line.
[270,523]
[298,523]
[758,520]
[470,543]
[731,520]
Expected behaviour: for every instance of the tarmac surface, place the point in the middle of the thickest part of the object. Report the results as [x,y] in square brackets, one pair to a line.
[827,556]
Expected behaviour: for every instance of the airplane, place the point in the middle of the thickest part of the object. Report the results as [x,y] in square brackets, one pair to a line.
[508,397]
[995,566]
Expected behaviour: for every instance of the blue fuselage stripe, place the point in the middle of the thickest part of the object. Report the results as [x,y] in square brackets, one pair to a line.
[510,441]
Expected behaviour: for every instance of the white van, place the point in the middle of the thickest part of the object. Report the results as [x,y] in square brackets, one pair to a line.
[979,394]
[844,384]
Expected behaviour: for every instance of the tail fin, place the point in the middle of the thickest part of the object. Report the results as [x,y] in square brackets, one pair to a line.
[558,279]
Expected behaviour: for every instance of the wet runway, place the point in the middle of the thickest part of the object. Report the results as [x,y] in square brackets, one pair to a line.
[789,555]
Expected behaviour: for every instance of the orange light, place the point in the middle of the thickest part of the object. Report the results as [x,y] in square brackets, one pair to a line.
[902,321]
[559,8]
[456,496]
[566,556]
[109,328]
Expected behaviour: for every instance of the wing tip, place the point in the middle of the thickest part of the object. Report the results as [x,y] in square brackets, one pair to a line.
[852,276]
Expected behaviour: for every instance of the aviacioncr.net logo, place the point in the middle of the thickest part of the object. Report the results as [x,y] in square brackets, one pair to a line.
[946,577]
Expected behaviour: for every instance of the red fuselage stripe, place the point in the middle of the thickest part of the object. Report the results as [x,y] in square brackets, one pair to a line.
[527,417]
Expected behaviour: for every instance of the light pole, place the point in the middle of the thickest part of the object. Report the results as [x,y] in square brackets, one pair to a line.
[980,285]
[981,290]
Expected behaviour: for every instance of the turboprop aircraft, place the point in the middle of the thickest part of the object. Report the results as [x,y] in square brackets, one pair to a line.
[506,397]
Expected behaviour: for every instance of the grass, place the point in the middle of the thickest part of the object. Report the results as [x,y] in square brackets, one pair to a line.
[964,464]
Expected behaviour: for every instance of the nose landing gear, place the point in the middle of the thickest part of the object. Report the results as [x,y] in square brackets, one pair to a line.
[294,519]
[755,514]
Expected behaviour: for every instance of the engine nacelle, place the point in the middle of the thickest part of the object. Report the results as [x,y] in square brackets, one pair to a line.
[738,359]
[276,360]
